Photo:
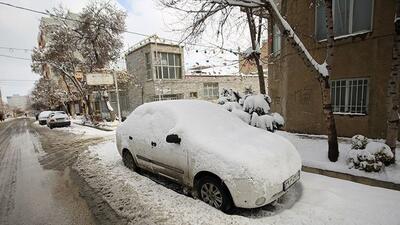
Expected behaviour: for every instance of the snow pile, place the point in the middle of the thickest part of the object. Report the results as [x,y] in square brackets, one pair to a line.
[230,106]
[86,131]
[244,116]
[370,157]
[314,150]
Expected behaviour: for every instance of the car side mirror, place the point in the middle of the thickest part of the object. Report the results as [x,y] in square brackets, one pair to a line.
[173,138]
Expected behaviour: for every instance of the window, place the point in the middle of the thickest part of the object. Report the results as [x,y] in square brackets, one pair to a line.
[193,94]
[349,17]
[148,65]
[168,65]
[276,40]
[211,90]
[168,97]
[350,96]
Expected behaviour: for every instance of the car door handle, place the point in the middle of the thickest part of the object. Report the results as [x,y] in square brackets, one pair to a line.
[130,138]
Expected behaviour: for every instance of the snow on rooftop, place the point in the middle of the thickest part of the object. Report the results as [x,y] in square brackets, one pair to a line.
[214,70]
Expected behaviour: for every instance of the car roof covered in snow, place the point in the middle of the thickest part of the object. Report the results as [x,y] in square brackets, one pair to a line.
[45,113]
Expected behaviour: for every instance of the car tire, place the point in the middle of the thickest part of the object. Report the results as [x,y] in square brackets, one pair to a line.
[128,160]
[212,191]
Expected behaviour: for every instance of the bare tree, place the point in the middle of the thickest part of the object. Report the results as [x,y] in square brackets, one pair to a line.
[393,88]
[83,42]
[200,12]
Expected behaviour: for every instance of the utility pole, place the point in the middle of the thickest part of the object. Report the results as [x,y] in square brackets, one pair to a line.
[117,92]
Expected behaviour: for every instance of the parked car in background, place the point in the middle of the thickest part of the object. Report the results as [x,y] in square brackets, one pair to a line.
[43,116]
[58,119]
[202,146]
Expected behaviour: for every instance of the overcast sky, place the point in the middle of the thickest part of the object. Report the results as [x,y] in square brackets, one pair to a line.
[19,29]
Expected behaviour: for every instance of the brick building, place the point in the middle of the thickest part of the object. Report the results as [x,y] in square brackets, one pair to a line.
[158,68]
[361,66]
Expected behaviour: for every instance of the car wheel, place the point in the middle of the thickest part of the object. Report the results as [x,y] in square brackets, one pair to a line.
[213,192]
[128,160]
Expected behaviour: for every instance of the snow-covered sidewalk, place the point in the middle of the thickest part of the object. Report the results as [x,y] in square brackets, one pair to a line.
[315,200]
[105,126]
[86,132]
[314,153]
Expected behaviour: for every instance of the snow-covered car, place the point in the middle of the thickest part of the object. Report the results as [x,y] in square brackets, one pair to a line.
[58,119]
[208,150]
[43,116]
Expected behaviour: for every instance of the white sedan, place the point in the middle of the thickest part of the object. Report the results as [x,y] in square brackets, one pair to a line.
[43,116]
[58,119]
[199,144]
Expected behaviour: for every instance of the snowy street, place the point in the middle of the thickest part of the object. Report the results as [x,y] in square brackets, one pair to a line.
[315,200]
[35,182]
[39,176]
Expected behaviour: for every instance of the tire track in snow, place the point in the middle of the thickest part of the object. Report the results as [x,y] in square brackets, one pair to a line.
[9,159]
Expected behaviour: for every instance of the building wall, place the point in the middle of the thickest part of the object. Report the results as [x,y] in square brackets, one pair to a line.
[296,92]
[18,102]
[249,66]
[191,84]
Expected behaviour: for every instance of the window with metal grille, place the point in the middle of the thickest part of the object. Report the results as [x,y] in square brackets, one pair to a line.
[168,65]
[211,90]
[350,96]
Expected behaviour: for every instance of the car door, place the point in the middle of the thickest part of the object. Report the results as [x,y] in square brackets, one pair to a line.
[168,159]
[139,142]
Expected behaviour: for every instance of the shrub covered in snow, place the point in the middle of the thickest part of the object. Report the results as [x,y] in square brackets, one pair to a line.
[264,122]
[368,156]
[279,121]
[359,142]
[251,109]
[228,95]
[257,104]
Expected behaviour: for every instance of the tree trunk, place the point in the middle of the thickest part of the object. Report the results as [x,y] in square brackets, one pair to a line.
[256,57]
[333,149]
[393,88]
[323,78]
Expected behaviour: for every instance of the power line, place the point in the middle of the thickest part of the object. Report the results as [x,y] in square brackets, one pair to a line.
[15,49]
[122,30]
[17,80]
[14,57]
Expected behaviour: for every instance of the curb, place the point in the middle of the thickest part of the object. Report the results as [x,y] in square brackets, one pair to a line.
[95,127]
[356,179]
